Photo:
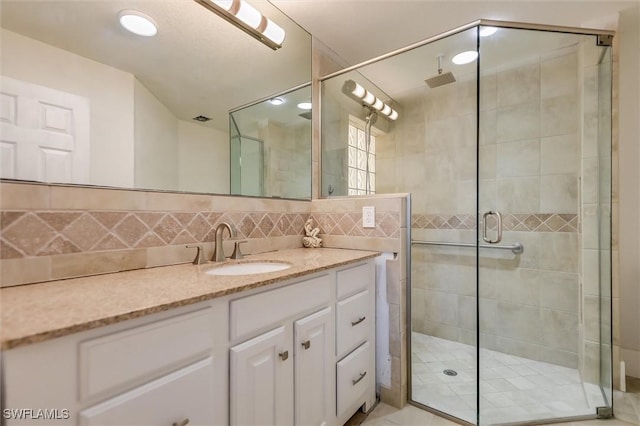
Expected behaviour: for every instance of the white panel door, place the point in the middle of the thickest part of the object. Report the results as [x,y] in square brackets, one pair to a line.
[44,133]
[261,380]
[313,343]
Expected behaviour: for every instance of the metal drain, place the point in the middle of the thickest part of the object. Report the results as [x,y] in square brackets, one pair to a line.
[450,372]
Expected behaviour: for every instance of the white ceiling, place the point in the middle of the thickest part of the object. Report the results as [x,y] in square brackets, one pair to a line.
[358,30]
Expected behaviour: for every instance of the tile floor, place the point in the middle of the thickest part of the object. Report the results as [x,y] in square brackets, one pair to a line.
[512,389]
[627,404]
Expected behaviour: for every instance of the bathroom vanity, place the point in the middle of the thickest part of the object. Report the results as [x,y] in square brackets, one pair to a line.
[176,345]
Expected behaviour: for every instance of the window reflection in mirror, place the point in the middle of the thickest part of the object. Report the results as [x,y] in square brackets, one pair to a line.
[271,146]
[110,108]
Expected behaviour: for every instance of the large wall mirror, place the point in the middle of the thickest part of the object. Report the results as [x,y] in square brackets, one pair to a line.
[86,102]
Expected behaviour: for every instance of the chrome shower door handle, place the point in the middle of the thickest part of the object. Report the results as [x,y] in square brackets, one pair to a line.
[484,228]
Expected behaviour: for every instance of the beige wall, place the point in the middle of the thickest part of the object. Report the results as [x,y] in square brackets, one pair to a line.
[203,155]
[628,313]
[156,142]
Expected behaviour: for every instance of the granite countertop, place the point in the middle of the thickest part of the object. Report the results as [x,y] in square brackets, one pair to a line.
[37,312]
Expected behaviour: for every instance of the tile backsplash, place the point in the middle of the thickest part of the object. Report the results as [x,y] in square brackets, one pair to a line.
[50,232]
[45,233]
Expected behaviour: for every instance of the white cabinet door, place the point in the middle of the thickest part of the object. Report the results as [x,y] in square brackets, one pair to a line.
[261,381]
[313,347]
[174,398]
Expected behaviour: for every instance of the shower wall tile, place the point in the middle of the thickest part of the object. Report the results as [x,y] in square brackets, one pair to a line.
[519,322]
[559,193]
[560,155]
[559,291]
[518,85]
[559,76]
[519,286]
[488,127]
[564,326]
[560,252]
[516,347]
[559,115]
[488,92]
[567,359]
[518,194]
[518,122]
[520,158]
[467,312]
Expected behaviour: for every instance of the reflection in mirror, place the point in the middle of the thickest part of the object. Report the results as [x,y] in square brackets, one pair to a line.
[271,146]
[85,101]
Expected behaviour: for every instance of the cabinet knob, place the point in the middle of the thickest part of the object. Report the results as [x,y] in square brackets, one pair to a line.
[306,344]
[182,423]
[284,355]
[354,323]
[356,381]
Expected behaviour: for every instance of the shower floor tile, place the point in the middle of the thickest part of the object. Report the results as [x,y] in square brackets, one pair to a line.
[512,388]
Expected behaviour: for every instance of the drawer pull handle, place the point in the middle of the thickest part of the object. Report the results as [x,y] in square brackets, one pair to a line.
[182,423]
[284,355]
[306,344]
[354,323]
[356,381]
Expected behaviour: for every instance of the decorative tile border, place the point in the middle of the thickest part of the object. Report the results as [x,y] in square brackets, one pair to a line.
[43,233]
[541,222]
[350,224]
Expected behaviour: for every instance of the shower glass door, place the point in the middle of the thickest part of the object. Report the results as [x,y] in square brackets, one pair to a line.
[544,350]
[439,152]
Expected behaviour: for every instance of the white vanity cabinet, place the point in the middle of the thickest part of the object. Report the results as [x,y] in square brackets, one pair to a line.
[282,375]
[161,369]
[296,352]
[355,337]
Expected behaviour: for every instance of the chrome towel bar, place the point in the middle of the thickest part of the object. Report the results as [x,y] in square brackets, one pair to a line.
[516,248]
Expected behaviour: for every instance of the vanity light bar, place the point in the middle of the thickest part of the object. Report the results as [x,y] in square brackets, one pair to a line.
[249,19]
[359,93]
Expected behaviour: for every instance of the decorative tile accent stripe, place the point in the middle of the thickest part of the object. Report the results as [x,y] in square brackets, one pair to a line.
[350,224]
[26,233]
[541,222]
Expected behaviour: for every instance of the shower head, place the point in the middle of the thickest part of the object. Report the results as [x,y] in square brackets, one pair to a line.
[371,117]
[440,79]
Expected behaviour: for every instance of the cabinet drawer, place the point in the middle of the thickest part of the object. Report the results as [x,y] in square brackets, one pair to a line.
[253,313]
[352,322]
[184,394]
[142,353]
[353,378]
[352,280]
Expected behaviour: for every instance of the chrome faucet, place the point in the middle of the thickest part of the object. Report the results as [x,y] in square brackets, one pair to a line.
[218,251]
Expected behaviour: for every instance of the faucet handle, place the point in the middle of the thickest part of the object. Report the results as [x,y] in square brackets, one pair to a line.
[237,254]
[199,259]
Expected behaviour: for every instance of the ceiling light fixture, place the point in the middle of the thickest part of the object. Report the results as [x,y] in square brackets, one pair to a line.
[276,101]
[487,31]
[359,93]
[465,57]
[137,23]
[304,105]
[249,19]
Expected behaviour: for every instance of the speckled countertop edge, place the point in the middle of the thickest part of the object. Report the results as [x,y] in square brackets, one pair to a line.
[38,312]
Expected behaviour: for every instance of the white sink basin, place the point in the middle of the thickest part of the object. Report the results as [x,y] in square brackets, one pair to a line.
[249,268]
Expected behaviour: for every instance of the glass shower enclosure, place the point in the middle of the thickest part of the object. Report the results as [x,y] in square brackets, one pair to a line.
[503,140]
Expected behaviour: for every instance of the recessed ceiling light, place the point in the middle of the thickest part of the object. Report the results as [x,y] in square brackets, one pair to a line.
[304,105]
[137,23]
[465,57]
[487,31]
[276,101]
